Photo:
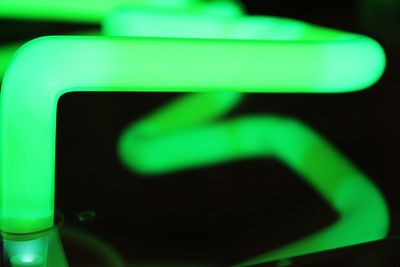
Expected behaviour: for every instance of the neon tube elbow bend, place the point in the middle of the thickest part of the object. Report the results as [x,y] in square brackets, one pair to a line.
[48,67]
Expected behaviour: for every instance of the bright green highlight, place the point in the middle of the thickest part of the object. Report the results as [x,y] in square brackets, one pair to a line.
[81,10]
[211,20]
[41,250]
[176,137]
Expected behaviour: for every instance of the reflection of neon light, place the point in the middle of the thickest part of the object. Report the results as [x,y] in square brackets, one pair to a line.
[39,249]
[168,141]
[48,67]
[26,259]
[28,252]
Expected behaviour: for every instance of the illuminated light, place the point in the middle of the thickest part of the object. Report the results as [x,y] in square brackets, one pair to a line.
[84,11]
[313,46]
[232,25]
[47,67]
[6,53]
[8,50]
[77,10]
[167,142]
[30,252]
[181,135]
[35,249]
[317,60]
[26,260]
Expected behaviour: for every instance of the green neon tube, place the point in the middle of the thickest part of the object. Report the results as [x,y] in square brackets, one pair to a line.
[47,67]
[80,11]
[229,25]
[6,52]
[174,138]
[92,11]
[279,31]
[212,20]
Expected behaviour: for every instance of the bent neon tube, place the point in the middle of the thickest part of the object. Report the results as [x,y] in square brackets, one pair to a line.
[176,137]
[6,53]
[25,10]
[8,50]
[48,67]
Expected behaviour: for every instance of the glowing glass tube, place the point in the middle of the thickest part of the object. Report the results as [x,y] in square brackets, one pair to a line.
[174,138]
[47,67]
[150,146]
[78,10]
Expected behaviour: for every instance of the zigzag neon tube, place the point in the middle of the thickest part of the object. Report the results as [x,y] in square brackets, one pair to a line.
[173,139]
[48,67]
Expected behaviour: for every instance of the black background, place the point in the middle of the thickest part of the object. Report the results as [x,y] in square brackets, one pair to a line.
[226,213]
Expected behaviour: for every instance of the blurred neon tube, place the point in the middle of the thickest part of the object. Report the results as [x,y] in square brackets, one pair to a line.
[173,139]
[92,11]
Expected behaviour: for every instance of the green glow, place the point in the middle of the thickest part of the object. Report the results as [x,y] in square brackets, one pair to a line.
[80,10]
[315,59]
[108,254]
[231,25]
[211,20]
[313,47]
[27,260]
[28,252]
[36,250]
[47,67]
[166,141]
[6,52]
[180,135]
